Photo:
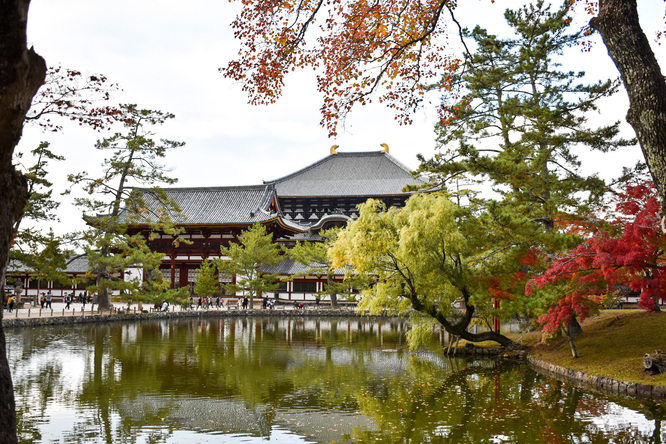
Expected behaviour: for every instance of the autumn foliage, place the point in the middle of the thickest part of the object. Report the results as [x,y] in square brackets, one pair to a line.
[68,94]
[394,48]
[630,253]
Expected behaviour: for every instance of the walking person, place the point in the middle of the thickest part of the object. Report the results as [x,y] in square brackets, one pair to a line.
[49,299]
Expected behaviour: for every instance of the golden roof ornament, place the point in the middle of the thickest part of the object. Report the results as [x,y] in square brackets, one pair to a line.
[334,148]
[385,146]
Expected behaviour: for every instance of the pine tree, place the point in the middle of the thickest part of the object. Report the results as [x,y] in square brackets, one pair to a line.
[516,128]
[116,204]
[44,253]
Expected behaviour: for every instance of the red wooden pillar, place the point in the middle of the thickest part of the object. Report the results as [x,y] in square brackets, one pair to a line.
[496,320]
[173,272]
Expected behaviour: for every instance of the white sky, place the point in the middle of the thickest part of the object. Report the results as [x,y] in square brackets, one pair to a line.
[165,55]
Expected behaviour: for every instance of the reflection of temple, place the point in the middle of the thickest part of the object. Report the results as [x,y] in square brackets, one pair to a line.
[293,207]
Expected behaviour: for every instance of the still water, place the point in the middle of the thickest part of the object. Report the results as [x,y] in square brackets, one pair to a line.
[305,380]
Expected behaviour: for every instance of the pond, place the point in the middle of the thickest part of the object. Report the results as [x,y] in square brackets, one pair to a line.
[292,380]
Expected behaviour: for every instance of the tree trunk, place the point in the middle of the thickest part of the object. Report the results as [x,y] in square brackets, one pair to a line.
[641,75]
[22,72]
[459,328]
[573,330]
[333,294]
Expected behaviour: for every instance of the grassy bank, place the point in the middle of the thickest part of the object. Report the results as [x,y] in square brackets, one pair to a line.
[613,345]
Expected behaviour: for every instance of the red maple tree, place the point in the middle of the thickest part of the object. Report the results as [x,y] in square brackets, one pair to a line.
[631,252]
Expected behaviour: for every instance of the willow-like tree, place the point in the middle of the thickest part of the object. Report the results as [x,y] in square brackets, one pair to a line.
[255,250]
[430,256]
[116,204]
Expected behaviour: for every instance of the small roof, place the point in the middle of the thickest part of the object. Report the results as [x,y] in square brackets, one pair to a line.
[75,264]
[348,174]
[290,266]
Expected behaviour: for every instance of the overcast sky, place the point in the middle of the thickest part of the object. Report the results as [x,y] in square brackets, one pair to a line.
[165,55]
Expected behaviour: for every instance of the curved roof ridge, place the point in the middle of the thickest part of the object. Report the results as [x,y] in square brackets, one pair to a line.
[327,158]
[266,199]
[211,188]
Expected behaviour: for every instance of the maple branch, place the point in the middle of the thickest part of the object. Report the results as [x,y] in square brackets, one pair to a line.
[307,23]
[398,51]
[460,33]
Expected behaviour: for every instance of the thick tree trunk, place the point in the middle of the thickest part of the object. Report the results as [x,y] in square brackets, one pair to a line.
[460,326]
[641,75]
[22,72]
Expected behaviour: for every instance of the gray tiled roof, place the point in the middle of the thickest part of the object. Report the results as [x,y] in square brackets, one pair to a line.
[348,174]
[16,266]
[76,264]
[221,205]
[290,267]
[287,266]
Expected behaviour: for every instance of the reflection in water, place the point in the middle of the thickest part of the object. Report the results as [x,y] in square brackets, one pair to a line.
[291,380]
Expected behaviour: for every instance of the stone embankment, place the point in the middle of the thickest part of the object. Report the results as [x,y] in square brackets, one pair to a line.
[87,318]
[607,386]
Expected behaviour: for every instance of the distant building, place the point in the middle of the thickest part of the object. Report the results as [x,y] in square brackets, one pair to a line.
[294,207]
[23,279]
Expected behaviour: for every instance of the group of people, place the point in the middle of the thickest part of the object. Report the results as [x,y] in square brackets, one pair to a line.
[203,302]
[45,300]
[82,298]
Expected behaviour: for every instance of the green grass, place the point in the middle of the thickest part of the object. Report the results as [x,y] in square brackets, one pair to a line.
[613,345]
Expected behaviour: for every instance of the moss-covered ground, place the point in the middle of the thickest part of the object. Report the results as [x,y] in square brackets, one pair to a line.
[613,345]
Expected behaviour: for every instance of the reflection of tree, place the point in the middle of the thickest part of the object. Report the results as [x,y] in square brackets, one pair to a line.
[245,375]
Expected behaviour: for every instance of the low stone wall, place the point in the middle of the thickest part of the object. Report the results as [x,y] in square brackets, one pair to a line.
[600,384]
[126,317]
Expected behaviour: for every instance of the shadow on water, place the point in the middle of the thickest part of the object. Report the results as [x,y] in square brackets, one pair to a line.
[292,380]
